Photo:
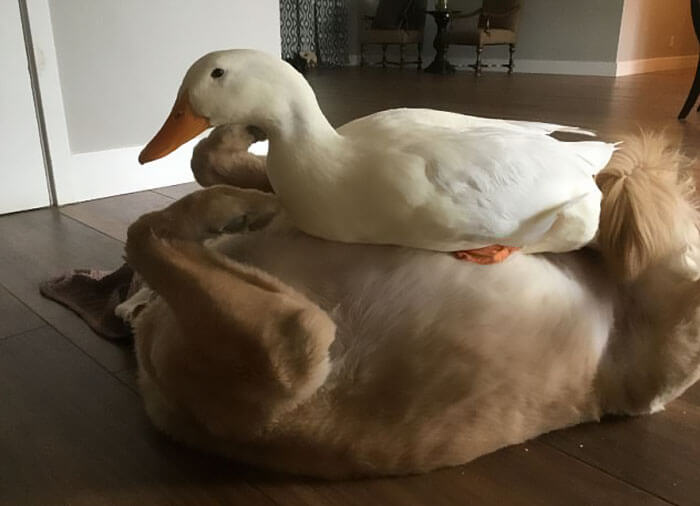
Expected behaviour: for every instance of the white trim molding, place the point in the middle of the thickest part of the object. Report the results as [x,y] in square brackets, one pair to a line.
[628,67]
[526,66]
[564,67]
[574,67]
[99,174]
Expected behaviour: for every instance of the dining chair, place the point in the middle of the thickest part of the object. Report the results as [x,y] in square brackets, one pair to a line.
[395,22]
[494,23]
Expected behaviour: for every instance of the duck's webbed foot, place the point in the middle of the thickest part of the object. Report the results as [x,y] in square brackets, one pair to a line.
[487,255]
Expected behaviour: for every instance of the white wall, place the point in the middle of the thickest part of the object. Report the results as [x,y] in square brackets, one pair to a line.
[109,73]
[22,174]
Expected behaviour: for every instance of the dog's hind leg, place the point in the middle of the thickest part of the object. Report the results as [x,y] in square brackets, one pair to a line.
[244,347]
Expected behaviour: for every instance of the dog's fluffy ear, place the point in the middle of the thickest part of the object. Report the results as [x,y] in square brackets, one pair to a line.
[647,212]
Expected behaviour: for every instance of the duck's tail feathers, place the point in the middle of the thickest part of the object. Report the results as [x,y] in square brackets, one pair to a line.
[648,214]
[574,130]
[550,128]
[596,154]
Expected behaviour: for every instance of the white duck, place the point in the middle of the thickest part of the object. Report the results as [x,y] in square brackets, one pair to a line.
[412,177]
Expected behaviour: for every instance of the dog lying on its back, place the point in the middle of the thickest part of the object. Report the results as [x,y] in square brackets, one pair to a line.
[329,359]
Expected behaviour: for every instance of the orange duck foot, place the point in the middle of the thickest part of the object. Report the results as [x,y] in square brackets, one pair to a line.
[486,255]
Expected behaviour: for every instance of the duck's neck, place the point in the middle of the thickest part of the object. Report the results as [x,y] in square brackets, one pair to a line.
[297,123]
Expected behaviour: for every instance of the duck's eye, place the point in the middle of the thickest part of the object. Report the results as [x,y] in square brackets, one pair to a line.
[217,72]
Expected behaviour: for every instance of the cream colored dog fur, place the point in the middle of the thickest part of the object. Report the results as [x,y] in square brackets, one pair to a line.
[319,358]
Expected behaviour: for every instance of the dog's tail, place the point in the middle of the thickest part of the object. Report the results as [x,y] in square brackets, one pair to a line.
[648,234]
[648,213]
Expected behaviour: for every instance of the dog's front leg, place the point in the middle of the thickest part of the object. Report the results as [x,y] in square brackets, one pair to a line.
[247,346]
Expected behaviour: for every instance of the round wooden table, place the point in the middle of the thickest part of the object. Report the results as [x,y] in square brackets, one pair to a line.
[440,65]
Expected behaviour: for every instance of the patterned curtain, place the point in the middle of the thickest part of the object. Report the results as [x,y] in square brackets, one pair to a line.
[315,25]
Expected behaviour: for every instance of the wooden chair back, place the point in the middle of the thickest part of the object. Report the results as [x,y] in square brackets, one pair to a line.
[400,15]
[500,14]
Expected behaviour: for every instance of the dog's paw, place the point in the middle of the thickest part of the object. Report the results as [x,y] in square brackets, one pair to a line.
[226,209]
[245,223]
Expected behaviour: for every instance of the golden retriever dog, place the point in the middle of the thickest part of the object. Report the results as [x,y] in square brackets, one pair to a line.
[292,353]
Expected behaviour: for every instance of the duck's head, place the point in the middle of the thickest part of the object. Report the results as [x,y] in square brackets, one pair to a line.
[236,86]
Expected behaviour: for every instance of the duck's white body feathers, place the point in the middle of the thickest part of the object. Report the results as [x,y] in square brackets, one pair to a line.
[411,177]
[444,181]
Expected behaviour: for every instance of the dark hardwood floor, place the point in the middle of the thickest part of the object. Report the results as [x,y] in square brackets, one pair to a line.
[72,430]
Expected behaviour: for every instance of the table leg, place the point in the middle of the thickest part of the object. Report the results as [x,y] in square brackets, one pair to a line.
[440,65]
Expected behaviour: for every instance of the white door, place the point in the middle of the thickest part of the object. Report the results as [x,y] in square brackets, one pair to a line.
[22,175]
[109,70]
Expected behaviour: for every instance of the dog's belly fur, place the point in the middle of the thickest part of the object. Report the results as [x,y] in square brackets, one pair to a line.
[419,333]
[416,328]
[380,291]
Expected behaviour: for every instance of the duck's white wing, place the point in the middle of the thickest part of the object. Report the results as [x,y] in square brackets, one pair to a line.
[490,185]
[395,124]
[480,181]
[392,118]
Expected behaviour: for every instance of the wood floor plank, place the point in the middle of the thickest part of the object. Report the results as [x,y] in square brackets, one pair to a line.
[544,476]
[613,106]
[659,453]
[178,191]
[527,475]
[70,433]
[40,244]
[15,317]
[692,395]
[129,378]
[113,215]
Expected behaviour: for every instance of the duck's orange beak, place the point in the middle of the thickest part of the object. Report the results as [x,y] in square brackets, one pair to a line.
[181,126]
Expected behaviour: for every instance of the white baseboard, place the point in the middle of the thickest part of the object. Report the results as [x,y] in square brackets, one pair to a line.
[585,68]
[99,174]
[563,67]
[628,67]
[111,172]
[571,67]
